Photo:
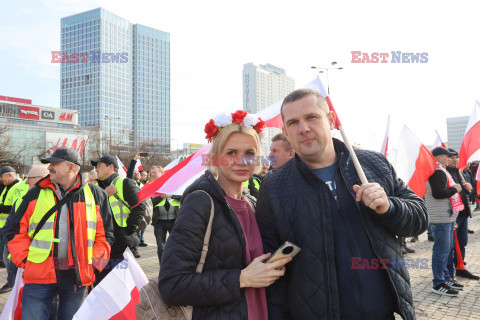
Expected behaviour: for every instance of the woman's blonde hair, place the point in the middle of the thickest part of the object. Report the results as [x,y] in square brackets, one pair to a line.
[222,137]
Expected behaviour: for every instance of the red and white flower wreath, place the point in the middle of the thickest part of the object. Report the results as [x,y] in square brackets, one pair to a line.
[223,120]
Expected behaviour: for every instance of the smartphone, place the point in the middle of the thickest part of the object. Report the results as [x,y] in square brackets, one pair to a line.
[287,249]
[143,154]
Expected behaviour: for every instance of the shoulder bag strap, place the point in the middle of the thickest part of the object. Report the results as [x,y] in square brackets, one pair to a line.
[206,239]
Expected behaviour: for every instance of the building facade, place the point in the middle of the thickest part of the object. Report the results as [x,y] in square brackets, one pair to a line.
[456,131]
[264,85]
[31,131]
[117,75]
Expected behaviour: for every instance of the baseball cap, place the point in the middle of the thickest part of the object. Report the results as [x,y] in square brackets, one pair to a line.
[107,160]
[63,154]
[438,151]
[6,169]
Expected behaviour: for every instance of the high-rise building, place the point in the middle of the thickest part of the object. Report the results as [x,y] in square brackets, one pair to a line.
[264,85]
[455,131]
[117,75]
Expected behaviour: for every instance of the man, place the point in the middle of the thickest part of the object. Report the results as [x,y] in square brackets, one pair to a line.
[165,210]
[73,242]
[9,178]
[143,176]
[462,218]
[122,196]
[35,174]
[280,151]
[443,203]
[92,177]
[135,174]
[350,266]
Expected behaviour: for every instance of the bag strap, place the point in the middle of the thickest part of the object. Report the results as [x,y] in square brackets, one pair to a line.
[57,206]
[206,239]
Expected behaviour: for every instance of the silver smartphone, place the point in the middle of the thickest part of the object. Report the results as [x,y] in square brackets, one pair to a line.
[287,249]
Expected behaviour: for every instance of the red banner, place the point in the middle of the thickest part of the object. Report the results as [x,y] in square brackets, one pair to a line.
[31,113]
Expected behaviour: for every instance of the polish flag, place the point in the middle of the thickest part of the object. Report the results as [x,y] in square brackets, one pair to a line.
[413,162]
[138,166]
[271,114]
[175,180]
[477,177]
[470,149]
[13,308]
[122,171]
[116,296]
[438,142]
[385,140]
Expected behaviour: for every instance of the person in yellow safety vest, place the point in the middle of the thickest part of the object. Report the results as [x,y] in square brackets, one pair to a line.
[165,210]
[35,174]
[9,178]
[123,196]
[60,256]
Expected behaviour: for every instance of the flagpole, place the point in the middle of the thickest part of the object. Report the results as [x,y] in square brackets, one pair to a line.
[356,163]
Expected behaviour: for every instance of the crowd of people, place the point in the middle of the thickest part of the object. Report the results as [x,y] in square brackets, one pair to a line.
[68,229]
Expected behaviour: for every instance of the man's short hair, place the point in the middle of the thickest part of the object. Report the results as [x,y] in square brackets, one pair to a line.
[302,93]
[286,144]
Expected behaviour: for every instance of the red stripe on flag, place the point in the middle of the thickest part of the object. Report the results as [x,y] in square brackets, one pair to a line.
[275,122]
[150,189]
[470,145]
[330,106]
[18,310]
[128,312]
[424,168]
[386,148]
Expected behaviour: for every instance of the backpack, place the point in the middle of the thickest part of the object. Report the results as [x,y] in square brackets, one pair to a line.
[151,305]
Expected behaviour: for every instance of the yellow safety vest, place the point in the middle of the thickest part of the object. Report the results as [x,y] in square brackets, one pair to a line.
[173,202]
[119,209]
[7,202]
[256,184]
[41,245]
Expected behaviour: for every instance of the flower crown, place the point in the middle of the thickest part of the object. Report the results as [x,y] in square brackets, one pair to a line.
[223,120]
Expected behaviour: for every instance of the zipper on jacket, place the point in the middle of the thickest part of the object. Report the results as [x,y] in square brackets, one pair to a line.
[370,238]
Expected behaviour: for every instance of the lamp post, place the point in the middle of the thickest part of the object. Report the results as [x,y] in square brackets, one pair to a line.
[331,67]
[110,127]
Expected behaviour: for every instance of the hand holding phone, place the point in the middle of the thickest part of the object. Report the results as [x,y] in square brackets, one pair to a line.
[143,154]
[287,249]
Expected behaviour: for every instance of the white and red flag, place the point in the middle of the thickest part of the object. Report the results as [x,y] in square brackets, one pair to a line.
[413,163]
[438,142]
[470,149]
[175,180]
[138,166]
[477,177]
[271,114]
[122,170]
[116,296]
[13,307]
[385,140]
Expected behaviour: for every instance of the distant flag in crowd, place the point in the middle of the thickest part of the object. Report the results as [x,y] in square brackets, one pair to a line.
[138,166]
[122,171]
[13,308]
[470,149]
[385,140]
[271,114]
[175,180]
[477,177]
[413,163]
[438,142]
[116,296]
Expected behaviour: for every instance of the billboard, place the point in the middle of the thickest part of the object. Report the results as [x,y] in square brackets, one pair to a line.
[55,140]
[30,113]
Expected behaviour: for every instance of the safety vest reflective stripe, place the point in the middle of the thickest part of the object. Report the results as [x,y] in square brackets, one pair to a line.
[33,226]
[41,244]
[90,243]
[3,217]
[92,225]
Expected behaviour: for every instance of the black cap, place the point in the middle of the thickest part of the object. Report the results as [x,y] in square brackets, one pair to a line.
[6,169]
[454,153]
[63,154]
[438,151]
[107,160]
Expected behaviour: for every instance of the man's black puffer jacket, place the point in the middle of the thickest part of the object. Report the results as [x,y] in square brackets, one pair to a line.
[290,207]
[215,293]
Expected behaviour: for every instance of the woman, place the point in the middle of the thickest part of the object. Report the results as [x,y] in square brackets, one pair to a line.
[234,276]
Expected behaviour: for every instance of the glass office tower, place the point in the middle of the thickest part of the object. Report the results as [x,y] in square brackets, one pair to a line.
[125,95]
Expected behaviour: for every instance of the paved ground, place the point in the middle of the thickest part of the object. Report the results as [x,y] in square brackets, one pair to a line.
[428,305]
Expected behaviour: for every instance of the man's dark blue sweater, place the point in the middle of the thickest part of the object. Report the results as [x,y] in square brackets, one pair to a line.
[363,285]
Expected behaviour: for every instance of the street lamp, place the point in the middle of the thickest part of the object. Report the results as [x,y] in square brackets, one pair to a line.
[110,126]
[331,67]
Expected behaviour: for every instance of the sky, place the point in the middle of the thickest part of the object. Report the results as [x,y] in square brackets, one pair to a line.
[212,40]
